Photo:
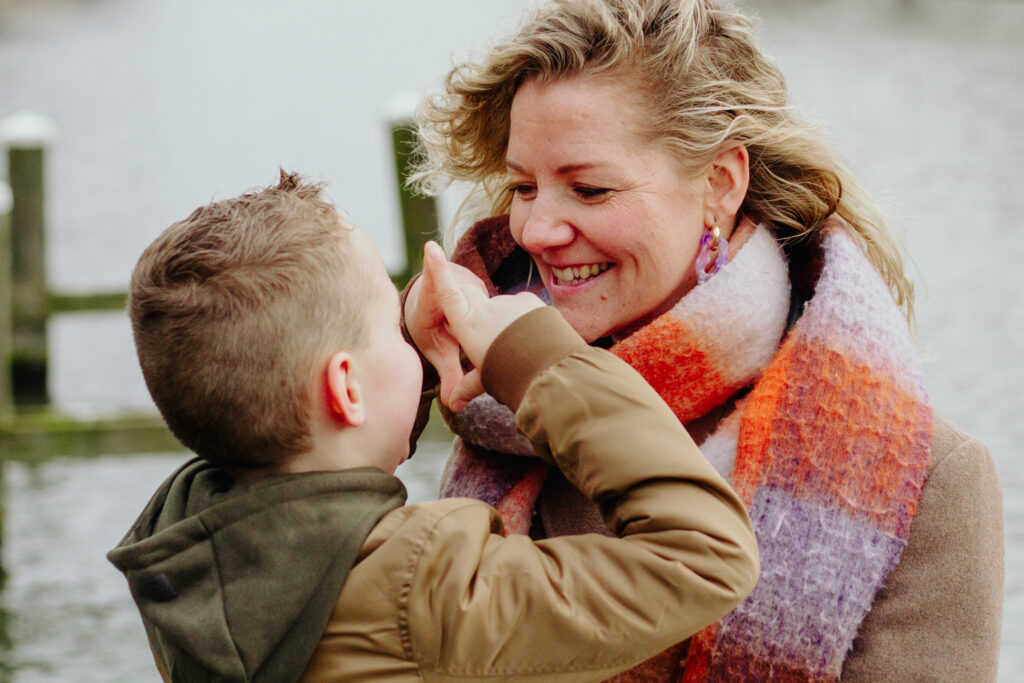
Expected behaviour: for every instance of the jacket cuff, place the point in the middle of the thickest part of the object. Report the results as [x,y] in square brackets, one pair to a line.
[524,349]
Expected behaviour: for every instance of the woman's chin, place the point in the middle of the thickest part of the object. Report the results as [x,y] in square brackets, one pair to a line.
[589,324]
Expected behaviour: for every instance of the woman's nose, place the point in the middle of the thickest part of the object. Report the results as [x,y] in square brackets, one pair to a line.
[545,227]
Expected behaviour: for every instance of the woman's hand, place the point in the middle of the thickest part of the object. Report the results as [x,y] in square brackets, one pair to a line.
[426,324]
[454,304]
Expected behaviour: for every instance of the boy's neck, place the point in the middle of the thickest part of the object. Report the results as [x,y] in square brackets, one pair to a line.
[338,448]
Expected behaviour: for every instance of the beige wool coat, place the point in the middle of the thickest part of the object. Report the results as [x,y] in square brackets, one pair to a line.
[939,615]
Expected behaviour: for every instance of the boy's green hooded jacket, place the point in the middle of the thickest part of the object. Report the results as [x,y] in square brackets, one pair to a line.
[236,579]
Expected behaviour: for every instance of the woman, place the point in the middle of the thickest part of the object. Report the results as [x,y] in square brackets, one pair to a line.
[641,167]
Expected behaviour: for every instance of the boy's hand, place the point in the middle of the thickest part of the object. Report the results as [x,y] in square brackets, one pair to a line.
[473,319]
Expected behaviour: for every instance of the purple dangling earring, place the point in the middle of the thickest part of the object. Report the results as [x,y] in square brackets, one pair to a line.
[713,254]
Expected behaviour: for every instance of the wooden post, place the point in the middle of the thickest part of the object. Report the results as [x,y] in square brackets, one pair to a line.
[419,213]
[6,393]
[6,300]
[27,135]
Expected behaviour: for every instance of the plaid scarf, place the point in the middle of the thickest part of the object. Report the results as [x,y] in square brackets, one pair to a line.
[826,437]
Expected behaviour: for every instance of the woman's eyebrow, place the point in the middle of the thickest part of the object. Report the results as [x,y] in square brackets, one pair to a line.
[561,170]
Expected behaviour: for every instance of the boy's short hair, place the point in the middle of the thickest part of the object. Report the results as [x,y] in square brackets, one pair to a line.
[235,308]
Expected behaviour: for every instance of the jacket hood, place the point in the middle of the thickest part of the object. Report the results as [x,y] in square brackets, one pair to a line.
[236,579]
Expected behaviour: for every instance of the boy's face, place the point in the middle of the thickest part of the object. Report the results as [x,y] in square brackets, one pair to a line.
[390,375]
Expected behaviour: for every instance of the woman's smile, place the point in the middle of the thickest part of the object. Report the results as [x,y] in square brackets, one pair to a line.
[575,275]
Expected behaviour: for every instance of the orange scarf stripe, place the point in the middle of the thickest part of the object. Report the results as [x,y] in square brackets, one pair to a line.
[756,426]
[516,508]
[698,660]
[801,457]
[667,364]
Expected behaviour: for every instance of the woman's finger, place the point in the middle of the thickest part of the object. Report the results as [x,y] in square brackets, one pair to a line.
[449,295]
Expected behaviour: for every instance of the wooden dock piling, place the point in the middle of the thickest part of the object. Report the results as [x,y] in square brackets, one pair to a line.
[419,213]
[6,392]
[29,429]
[27,136]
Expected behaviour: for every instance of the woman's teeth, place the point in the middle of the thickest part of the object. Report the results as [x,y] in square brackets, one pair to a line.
[577,274]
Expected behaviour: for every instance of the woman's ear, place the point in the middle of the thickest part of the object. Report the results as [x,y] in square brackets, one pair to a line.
[344,400]
[728,180]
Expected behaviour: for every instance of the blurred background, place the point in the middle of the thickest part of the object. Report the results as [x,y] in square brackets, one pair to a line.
[159,107]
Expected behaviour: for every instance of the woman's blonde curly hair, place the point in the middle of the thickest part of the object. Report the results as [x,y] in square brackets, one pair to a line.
[706,86]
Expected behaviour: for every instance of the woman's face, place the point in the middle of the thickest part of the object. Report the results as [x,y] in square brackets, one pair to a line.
[611,222]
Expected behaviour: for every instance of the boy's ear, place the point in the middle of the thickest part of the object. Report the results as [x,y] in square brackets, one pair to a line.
[344,400]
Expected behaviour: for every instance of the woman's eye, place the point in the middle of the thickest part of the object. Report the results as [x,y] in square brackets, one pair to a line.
[588,192]
[522,190]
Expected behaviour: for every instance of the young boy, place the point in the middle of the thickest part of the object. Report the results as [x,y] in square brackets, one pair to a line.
[269,336]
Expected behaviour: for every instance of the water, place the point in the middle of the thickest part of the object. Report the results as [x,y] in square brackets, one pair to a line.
[156,115]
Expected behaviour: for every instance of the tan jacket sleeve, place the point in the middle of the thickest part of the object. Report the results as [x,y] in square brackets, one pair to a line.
[582,608]
[938,617]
